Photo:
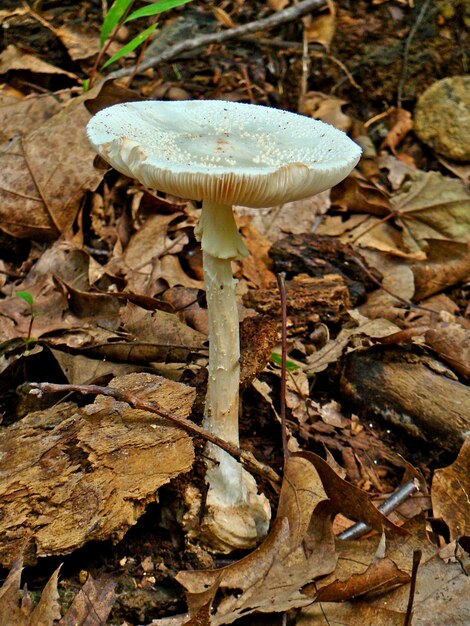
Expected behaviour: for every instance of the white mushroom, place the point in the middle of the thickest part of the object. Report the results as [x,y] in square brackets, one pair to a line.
[224,153]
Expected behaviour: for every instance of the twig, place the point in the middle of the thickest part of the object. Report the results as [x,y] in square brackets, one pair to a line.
[398,497]
[282,291]
[406,51]
[246,458]
[281,17]
[409,609]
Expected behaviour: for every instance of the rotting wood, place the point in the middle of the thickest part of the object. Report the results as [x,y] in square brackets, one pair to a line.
[309,300]
[70,475]
[402,388]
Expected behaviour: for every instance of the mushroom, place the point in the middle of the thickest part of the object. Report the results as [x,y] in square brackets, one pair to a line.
[225,154]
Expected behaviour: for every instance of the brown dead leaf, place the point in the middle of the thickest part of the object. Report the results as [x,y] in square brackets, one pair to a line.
[447,263]
[90,607]
[321,28]
[92,604]
[352,614]
[347,499]
[73,475]
[432,206]
[326,108]
[298,549]
[442,589]
[332,351]
[20,116]
[80,43]
[451,342]
[358,195]
[254,267]
[46,174]
[277,5]
[45,613]
[400,123]
[449,494]
[380,577]
[82,370]
[293,217]
[12,58]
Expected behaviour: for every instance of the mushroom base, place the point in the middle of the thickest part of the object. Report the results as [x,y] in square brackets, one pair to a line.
[236,515]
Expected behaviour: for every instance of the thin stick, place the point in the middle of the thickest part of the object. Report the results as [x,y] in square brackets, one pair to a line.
[246,458]
[398,497]
[282,291]
[406,51]
[409,609]
[281,17]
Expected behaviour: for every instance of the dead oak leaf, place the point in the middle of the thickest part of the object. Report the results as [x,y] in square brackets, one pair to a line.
[449,493]
[299,548]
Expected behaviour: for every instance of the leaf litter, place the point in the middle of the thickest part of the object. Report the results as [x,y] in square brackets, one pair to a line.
[120,294]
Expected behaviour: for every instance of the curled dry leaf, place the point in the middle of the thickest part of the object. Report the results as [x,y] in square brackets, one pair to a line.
[449,494]
[12,58]
[298,550]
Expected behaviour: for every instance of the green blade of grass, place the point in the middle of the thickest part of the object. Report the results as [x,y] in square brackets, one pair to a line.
[290,365]
[113,16]
[132,45]
[155,8]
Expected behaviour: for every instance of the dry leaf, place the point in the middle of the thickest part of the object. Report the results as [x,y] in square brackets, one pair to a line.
[319,361]
[321,28]
[92,604]
[400,124]
[80,43]
[298,549]
[447,264]
[432,206]
[295,217]
[46,173]
[449,494]
[13,59]
[326,108]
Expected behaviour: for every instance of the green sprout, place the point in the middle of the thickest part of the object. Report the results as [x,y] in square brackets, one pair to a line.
[28,340]
[118,15]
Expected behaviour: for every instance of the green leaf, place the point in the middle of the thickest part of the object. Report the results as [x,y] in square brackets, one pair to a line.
[290,365]
[27,297]
[132,45]
[86,84]
[155,8]
[113,17]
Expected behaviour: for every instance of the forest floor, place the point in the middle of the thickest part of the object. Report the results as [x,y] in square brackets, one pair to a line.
[101,283]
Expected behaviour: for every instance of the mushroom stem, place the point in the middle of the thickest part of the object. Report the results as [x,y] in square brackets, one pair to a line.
[236,515]
[224,349]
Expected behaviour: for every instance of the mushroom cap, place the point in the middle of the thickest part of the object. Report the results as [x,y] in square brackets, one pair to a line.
[224,152]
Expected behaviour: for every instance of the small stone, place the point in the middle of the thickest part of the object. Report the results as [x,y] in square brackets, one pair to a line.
[442,117]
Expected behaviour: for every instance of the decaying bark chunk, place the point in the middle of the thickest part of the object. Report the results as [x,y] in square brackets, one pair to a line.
[70,475]
[318,255]
[403,388]
[309,300]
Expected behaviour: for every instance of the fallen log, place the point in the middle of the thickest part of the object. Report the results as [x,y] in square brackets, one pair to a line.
[415,392]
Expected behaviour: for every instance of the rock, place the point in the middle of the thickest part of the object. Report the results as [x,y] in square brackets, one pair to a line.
[442,117]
